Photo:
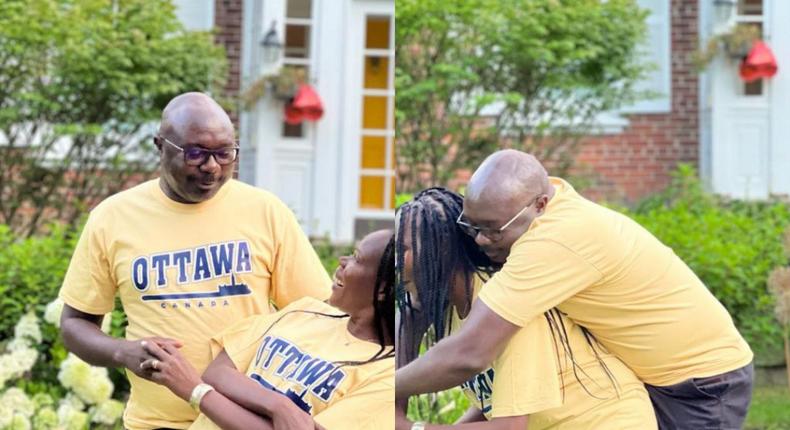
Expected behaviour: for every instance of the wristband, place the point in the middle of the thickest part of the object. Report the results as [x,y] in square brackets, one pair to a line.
[418,425]
[198,393]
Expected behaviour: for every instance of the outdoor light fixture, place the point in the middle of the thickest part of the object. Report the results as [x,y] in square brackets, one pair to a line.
[724,11]
[272,46]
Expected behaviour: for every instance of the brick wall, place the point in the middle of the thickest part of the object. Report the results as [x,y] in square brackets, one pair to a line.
[228,21]
[632,164]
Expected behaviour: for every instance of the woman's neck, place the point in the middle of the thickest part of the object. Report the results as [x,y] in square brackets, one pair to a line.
[363,327]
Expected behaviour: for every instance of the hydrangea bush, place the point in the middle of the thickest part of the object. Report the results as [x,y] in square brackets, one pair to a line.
[24,404]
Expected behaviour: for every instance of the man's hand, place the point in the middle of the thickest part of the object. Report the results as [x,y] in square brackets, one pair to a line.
[132,354]
[170,368]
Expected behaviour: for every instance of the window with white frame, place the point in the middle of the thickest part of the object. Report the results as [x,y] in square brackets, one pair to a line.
[296,52]
[657,52]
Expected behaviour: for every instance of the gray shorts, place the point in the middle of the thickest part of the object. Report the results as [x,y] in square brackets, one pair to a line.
[714,403]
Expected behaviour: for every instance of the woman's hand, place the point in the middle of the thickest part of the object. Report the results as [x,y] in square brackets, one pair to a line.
[288,416]
[171,369]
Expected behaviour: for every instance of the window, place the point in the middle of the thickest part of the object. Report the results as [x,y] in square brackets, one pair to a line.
[377,160]
[296,50]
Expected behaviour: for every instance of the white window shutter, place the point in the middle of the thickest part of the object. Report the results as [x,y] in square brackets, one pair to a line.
[657,51]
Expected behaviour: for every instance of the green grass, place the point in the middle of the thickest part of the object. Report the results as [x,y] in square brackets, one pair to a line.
[770,409]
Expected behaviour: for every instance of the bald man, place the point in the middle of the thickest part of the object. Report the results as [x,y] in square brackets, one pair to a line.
[605,272]
[189,254]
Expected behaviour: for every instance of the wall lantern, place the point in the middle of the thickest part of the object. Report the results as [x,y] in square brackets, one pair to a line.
[272,46]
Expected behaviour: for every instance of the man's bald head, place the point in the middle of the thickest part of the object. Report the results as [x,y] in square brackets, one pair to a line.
[506,175]
[190,110]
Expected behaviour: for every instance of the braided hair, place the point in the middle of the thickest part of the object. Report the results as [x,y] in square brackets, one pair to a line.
[440,251]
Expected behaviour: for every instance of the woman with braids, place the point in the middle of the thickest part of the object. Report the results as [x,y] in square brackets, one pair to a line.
[312,365]
[552,374]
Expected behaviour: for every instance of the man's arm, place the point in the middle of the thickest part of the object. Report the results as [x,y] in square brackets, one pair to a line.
[82,335]
[458,357]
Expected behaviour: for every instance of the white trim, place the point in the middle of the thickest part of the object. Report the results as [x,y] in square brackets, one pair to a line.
[304,22]
[377,132]
[373,214]
[381,53]
[378,92]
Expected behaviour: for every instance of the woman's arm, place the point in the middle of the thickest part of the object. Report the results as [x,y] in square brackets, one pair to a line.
[225,378]
[172,370]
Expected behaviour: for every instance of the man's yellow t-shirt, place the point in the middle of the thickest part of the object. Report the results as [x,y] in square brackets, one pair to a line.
[610,275]
[551,372]
[305,356]
[187,271]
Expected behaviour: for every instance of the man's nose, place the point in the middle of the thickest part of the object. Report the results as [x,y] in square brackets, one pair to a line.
[482,240]
[211,164]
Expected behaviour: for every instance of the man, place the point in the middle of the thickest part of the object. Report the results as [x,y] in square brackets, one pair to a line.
[189,253]
[609,275]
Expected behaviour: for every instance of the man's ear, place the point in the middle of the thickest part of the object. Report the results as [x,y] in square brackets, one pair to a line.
[158,144]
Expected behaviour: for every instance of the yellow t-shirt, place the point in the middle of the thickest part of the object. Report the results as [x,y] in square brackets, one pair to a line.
[187,271]
[535,376]
[301,356]
[612,276]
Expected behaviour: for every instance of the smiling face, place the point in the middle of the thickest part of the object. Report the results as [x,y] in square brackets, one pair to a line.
[193,120]
[355,277]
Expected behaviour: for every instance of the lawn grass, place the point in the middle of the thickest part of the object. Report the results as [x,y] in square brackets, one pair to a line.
[770,409]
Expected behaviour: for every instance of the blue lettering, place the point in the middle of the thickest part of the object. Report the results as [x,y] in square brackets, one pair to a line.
[221,258]
[275,347]
[182,259]
[243,258]
[160,262]
[293,354]
[202,271]
[140,273]
[325,389]
[313,370]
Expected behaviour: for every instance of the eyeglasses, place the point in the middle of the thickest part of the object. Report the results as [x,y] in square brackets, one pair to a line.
[493,234]
[196,156]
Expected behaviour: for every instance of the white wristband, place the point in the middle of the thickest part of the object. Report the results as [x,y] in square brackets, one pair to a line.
[198,393]
[418,425]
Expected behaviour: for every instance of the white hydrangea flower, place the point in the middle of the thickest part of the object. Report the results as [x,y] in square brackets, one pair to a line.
[6,415]
[24,358]
[8,369]
[73,401]
[17,343]
[108,412]
[43,400]
[18,401]
[45,419]
[70,418]
[19,422]
[27,327]
[73,371]
[91,384]
[53,311]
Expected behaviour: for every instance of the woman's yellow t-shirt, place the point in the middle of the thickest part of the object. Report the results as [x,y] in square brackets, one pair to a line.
[300,354]
[537,373]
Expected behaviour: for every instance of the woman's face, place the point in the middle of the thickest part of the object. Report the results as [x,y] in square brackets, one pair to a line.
[408,264]
[355,277]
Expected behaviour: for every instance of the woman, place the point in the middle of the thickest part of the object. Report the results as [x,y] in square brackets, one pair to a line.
[553,374]
[306,366]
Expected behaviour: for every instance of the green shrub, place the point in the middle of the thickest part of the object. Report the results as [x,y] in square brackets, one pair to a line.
[32,271]
[731,245]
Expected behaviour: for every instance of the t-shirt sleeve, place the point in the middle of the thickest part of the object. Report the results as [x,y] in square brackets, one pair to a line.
[89,285]
[537,276]
[526,373]
[297,270]
[369,407]
[241,340]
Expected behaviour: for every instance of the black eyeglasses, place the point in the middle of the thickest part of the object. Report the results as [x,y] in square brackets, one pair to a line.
[493,234]
[196,156]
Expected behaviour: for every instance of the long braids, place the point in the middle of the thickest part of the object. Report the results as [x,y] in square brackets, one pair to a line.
[440,250]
